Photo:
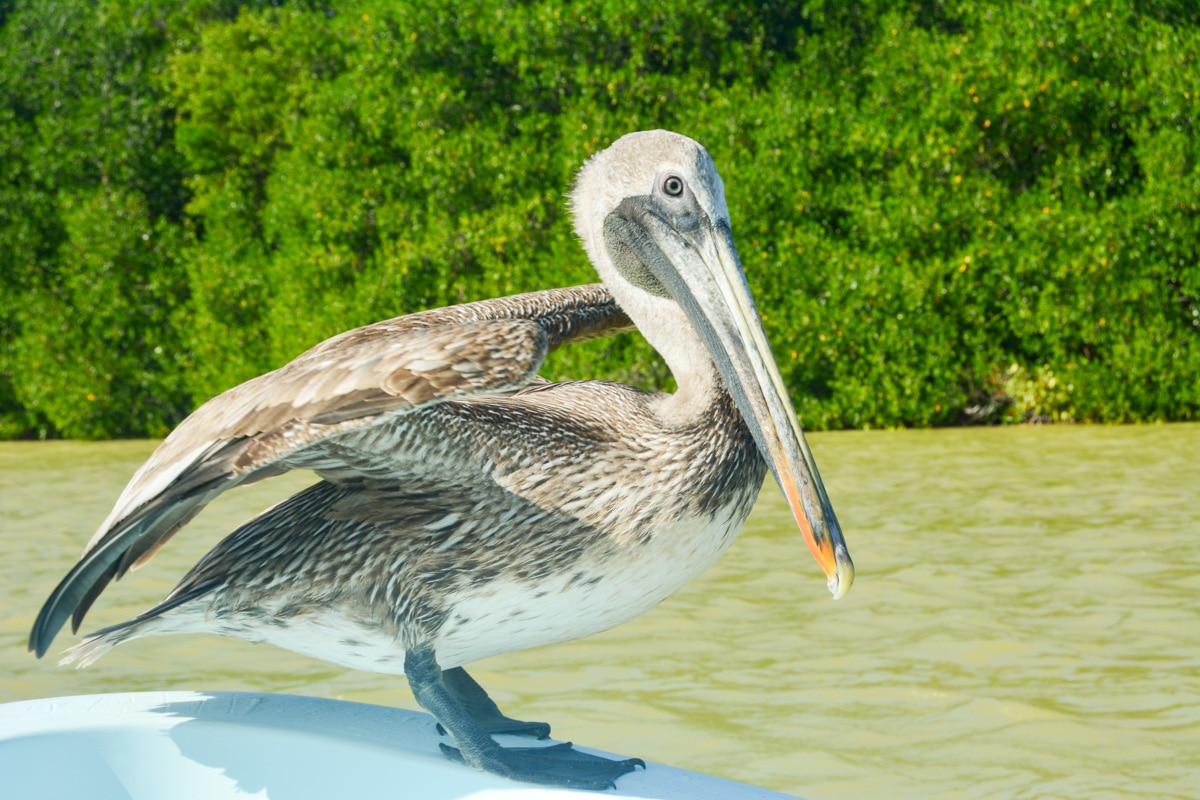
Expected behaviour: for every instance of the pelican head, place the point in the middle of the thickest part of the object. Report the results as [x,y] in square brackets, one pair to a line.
[651,212]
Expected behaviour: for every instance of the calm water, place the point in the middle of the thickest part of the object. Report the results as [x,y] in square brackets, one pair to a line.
[1025,622]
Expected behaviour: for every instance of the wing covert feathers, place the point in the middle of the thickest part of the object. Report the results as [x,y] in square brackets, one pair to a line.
[352,380]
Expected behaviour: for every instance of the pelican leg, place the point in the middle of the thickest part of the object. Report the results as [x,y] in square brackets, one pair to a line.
[483,710]
[555,765]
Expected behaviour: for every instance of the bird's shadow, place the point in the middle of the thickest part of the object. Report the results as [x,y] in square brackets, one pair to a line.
[286,747]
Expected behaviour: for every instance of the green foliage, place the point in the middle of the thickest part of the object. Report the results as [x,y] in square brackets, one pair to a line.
[91,211]
[948,212]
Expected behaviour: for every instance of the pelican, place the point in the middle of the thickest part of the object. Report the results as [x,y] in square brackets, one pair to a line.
[466,507]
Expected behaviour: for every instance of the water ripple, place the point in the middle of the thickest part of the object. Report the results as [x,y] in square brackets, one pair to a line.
[1024,623]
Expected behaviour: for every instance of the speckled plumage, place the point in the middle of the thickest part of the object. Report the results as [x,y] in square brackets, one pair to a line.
[459,502]
[564,484]
[353,380]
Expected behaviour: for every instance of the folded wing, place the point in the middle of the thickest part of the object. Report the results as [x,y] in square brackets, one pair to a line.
[359,378]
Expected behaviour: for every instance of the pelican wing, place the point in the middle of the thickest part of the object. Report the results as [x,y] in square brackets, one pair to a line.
[359,378]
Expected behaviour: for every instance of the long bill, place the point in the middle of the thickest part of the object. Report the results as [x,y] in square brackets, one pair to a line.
[717,300]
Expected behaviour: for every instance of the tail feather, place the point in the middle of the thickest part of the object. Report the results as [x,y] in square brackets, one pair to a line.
[156,621]
[92,647]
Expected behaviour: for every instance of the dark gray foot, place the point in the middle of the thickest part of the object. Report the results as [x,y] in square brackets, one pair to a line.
[481,708]
[556,765]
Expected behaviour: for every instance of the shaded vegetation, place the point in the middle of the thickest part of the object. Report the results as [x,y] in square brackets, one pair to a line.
[949,212]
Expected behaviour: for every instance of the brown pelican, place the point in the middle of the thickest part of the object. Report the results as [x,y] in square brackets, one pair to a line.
[465,506]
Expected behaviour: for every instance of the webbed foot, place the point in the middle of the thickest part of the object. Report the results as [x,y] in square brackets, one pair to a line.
[464,710]
[555,765]
[483,710]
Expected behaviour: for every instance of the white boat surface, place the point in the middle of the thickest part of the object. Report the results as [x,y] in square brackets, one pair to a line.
[218,745]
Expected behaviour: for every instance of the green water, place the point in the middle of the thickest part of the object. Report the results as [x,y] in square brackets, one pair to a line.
[1025,622]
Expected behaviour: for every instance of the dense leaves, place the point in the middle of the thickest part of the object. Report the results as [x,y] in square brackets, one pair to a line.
[948,212]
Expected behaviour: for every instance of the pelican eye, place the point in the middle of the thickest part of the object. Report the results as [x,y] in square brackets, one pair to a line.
[673,186]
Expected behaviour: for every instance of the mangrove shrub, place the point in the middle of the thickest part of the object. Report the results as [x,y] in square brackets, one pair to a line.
[949,212]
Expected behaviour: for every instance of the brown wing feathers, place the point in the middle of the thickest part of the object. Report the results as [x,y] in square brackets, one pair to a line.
[351,380]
